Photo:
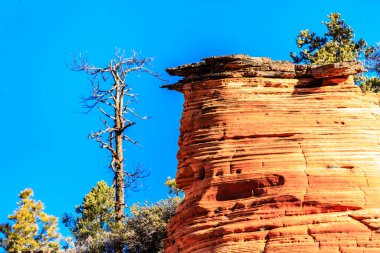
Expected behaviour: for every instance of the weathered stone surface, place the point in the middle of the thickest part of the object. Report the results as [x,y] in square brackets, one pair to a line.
[336,69]
[276,158]
[234,66]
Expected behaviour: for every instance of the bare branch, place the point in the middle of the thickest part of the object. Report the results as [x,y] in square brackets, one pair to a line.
[127,109]
[98,136]
[104,101]
[104,122]
[105,114]
[104,144]
[133,179]
[128,125]
[101,132]
[125,137]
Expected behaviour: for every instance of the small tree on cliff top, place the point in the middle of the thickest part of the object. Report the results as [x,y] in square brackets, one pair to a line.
[30,229]
[112,95]
[338,45]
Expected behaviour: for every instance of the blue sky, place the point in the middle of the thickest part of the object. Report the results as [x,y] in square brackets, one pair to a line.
[44,138]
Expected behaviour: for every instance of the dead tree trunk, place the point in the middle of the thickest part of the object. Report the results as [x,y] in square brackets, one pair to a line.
[113,96]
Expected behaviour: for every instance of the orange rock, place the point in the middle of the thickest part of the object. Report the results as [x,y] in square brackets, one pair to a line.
[276,157]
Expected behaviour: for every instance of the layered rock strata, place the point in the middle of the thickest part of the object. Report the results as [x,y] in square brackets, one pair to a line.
[276,157]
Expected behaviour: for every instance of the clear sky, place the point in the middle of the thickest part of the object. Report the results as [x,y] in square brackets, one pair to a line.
[44,138]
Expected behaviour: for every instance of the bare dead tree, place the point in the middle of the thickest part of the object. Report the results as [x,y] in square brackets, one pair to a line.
[113,96]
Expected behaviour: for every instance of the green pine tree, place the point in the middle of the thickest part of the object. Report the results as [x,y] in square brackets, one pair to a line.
[338,45]
[94,218]
[30,229]
[96,229]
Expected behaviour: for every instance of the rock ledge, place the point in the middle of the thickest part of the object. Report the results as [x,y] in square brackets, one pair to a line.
[242,65]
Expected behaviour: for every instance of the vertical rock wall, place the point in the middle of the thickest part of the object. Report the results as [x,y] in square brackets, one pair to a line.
[276,157]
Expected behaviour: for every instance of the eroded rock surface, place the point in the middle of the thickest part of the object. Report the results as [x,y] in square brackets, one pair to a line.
[276,157]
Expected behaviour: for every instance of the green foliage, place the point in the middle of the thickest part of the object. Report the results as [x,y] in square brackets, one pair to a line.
[370,84]
[95,217]
[145,229]
[96,230]
[30,228]
[171,183]
[373,65]
[337,44]
[373,60]
[142,232]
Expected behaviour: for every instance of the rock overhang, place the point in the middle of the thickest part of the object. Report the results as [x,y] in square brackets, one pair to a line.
[245,66]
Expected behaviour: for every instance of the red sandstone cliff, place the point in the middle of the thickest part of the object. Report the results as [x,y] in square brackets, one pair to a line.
[276,157]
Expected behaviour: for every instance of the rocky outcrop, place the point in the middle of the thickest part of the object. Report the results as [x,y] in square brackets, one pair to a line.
[276,157]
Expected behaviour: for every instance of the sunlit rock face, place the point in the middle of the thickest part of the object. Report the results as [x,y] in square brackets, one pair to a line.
[276,157]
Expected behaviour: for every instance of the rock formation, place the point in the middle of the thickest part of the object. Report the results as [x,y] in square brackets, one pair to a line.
[276,157]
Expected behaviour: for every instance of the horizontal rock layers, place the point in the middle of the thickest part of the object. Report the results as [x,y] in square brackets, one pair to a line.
[276,157]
